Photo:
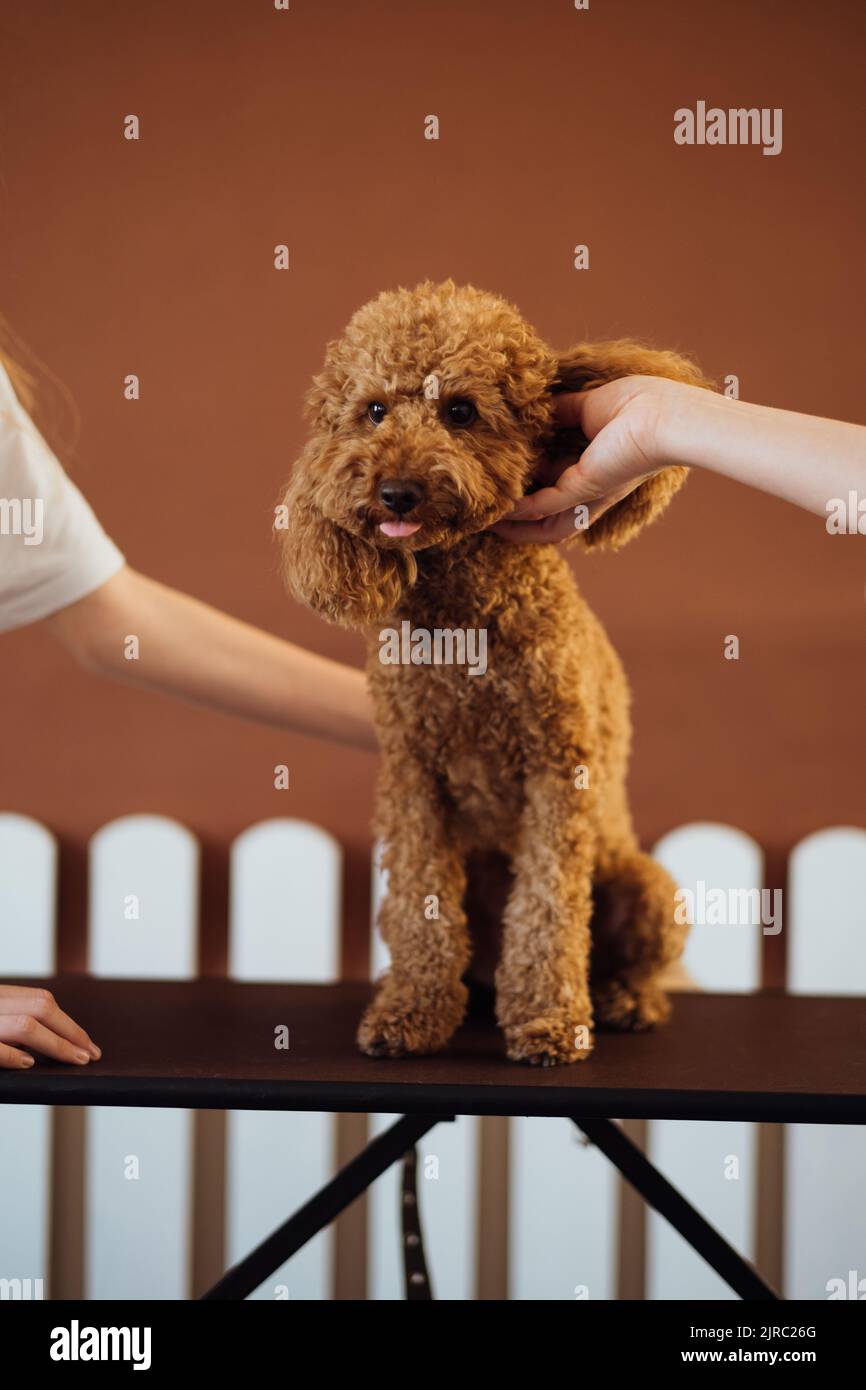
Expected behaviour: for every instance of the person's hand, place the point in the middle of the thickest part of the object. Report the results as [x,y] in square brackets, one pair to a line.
[32,1019]
[621,421]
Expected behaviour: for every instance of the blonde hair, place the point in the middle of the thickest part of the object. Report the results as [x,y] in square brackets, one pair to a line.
[39,390]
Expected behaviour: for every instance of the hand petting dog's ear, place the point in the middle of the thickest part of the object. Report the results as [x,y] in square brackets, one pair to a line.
[602,452]
[604,476]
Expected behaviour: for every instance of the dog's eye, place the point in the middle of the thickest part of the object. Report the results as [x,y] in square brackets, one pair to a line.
[461,413]
[377,412]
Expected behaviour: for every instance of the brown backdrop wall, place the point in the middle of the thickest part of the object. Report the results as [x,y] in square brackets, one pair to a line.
[306,127]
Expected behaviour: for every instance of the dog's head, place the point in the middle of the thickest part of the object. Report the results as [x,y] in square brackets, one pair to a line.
[429,419]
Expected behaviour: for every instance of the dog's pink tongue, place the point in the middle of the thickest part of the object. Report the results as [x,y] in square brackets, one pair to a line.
[399,528]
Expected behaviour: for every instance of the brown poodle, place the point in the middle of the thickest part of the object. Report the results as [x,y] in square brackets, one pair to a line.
[429,420]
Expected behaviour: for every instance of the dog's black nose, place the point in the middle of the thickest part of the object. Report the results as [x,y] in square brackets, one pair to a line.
[400,495]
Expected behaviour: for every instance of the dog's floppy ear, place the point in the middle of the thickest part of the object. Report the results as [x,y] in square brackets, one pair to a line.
[342,577]
[592,364]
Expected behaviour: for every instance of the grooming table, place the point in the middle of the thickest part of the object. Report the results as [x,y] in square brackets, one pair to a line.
[209,1044]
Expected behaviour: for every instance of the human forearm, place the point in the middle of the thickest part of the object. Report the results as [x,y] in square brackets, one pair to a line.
[803,458]
[188,649]
[639,425]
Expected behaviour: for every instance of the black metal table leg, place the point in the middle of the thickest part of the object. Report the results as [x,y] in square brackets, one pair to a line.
[742,1277]
[320,1210]
[417,1276]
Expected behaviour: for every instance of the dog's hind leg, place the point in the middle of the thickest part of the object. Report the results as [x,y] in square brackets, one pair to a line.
[635,936]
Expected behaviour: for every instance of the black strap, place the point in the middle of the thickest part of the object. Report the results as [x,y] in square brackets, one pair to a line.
[414,1262]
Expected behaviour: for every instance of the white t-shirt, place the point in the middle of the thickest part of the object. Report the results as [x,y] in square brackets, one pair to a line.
[53,550]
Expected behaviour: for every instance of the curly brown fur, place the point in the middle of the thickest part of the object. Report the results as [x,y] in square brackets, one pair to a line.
[484,763]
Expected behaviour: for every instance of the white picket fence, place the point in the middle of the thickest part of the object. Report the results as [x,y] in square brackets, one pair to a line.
[562,1205]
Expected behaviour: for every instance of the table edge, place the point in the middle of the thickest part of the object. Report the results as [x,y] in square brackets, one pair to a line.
[377,1097]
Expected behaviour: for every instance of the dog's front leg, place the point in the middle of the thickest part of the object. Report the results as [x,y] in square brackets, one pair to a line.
[422,999]
[542,983]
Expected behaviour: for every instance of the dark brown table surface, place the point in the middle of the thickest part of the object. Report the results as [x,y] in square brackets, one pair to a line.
[210,1044]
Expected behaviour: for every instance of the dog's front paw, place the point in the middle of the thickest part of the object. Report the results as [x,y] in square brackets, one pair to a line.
[400,1024]
[548,1041]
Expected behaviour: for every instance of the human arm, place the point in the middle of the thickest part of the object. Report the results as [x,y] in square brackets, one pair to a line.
[639,425]
[188,649]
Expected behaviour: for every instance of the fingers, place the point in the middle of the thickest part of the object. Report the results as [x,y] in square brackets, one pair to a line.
[34,1017]
[551,529]
[569,409]
[570,488]
[48,1011]
[29,1032]
[558,526]
[13,1060]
